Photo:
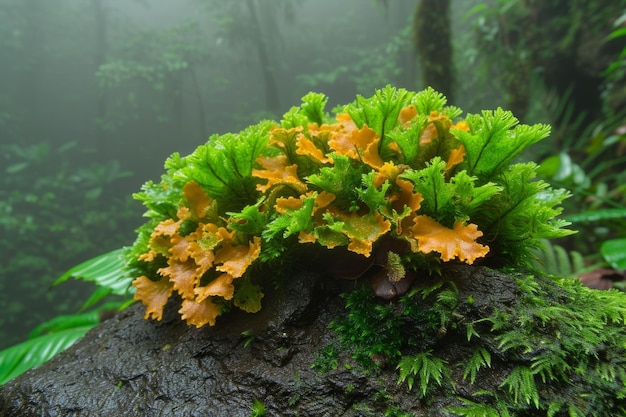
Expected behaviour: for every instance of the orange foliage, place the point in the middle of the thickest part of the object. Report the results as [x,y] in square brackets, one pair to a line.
[221,286]
[406,114]
[198,200]
[460,241]
[236,259]
[307,147]
[153,294]
[276,171]
[455,158]
[199,313]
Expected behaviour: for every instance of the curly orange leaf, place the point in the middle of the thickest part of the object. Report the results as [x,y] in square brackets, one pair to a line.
[462,125]
[167,227]
[364,137]
[221,286]
[198,200]
[202,257]
[306,237]
[153,294]
[460,241]
[406,114]
[306,147]
[428,134]
[183,213]
[322,200]
[276,172]
[284,205]
[406,196]
[183,275]
[236,259]
[148,256]
[388,171]
[200,313]
[341,144]
[363,231]
[371,156]
[455,158]
[180,245]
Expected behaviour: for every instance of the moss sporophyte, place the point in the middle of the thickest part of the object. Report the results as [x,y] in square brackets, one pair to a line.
[399,180]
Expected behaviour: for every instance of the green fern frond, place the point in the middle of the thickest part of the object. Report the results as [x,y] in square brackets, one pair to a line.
[480,358]
[555,260]
[521,385]
[425,367]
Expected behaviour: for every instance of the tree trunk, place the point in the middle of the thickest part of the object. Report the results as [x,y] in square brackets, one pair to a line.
[272,98]
[433,45]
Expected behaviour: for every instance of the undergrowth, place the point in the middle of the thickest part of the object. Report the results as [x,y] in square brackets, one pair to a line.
[560,349]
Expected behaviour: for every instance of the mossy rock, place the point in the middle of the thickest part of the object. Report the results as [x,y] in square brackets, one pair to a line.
[470,342]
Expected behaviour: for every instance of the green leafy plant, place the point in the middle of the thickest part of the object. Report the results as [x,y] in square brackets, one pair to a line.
[613,250]
[394,180]
[55,335]
[423,366]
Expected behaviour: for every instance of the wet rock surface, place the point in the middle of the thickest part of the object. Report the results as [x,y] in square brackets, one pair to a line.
[133,367]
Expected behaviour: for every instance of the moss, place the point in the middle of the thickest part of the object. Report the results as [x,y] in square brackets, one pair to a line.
[542,345]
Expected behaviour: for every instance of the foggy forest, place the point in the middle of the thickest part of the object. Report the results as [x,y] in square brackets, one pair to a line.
[96,94]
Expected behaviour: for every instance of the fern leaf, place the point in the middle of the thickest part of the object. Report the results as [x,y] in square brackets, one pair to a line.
[480,358]
[381,111]
[425,367]
[495,138]
[521,384]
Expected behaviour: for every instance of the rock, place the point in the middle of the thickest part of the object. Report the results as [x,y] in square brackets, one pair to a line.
[133,367]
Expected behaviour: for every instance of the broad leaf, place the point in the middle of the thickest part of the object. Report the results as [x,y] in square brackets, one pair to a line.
[106,270]
[17,359]
[614,252]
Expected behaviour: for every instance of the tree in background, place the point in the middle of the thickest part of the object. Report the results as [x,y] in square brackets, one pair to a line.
[433,45]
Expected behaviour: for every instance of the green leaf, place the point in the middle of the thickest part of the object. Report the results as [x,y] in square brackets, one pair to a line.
[292,222]
[223,166]
[21,357]
[250,220]
[614,252]
[438,195]
[71,321]
[423,365]
[313,107]
[521,385]
[106,270]
[374,198]
[406,139]
[379,112]
[342,179]
[468,197]
[494,139]
[429,100]
[248,296]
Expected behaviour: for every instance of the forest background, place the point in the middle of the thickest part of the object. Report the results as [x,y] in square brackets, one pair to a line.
[95,94]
